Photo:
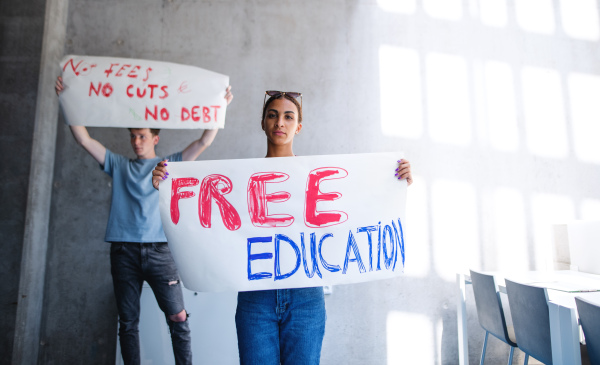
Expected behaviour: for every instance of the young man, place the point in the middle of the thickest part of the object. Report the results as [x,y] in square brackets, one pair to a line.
[139,251]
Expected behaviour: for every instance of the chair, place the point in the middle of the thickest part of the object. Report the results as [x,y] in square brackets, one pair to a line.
[589,317]
[490,313]
[531,320]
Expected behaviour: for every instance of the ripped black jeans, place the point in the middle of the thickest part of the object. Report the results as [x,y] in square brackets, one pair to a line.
[131,264]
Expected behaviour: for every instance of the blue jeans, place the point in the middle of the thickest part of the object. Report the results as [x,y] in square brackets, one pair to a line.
[131,264]
[280,326]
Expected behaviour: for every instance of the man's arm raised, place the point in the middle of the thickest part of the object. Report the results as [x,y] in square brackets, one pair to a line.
[92,146]
[191,152]
[81,135]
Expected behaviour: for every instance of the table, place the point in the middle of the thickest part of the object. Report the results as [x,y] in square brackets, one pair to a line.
[564,324]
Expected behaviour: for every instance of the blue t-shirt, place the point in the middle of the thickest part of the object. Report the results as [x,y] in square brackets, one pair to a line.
[134,215]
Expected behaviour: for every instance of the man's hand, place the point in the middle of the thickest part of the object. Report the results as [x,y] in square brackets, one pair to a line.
[228,95]
[59,87]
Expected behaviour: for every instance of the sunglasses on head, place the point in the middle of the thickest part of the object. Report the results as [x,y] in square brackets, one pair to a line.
[275,93]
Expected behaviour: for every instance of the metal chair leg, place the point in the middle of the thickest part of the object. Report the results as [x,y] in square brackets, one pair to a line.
[484,346]
[526,359]
[510,356]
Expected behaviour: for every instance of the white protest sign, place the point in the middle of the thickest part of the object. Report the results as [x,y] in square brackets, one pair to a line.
[130,93]
[274,223]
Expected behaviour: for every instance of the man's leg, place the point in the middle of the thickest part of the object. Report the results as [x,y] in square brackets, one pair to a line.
[180,337]
[161,273]
[127,283]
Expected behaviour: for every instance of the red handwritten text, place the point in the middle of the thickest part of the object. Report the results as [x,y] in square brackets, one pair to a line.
[81,68]
[126,70]
[106,89]
[141,91]
[312,217]
[164,113]
[215,187]
[176,195]
[258,199]
[194,112]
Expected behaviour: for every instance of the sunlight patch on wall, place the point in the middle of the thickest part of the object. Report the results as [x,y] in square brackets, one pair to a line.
[510,230]
[439,332]
[548,209]
[398,6]
[400,92]
[500,106]
[455,221]
[410,338]
[444,9]
[590,209]
[493,13]
[584,98]
[536,16]
[545,122]
[417,246]
[580,19]
[448,104]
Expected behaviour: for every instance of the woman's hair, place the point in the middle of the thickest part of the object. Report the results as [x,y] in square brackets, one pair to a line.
[280,96]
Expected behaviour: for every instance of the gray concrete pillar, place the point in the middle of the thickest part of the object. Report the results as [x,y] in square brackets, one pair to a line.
[37,219]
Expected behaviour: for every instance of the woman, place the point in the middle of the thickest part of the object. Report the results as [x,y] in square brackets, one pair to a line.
[285,325]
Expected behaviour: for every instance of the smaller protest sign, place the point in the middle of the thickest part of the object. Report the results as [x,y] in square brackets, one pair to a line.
[131,93]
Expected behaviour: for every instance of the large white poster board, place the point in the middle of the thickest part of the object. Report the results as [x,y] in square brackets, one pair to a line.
[131,93]
[274,223]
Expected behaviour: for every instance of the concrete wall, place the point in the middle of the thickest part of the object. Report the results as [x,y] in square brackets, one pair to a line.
[22,27]
[489,104]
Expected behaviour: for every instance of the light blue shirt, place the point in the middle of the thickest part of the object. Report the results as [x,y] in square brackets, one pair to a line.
[134,215]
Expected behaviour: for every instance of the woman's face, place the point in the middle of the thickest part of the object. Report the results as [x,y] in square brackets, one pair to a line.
[281,122]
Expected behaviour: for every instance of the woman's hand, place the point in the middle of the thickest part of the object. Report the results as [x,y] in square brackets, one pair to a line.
[403,171]
[159,173]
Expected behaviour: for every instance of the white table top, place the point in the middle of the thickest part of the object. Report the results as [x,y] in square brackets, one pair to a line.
[563,285]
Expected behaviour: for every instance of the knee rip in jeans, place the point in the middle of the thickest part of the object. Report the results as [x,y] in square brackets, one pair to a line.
[179,317]
[173,282]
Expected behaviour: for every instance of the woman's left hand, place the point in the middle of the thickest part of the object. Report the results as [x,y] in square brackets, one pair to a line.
[403,171]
